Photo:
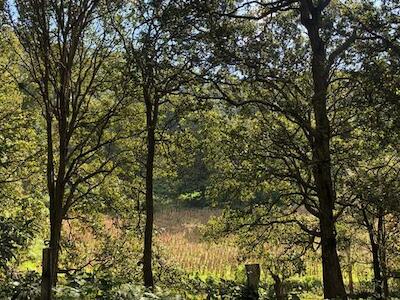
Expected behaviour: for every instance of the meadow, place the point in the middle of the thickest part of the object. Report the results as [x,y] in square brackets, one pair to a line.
[180,236]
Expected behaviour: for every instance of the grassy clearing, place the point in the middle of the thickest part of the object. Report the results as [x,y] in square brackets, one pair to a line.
[180,237]
[179,234]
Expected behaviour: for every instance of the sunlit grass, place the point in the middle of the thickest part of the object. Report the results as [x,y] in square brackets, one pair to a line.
[179,234]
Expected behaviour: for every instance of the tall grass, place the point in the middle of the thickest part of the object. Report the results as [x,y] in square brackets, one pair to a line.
[179,234]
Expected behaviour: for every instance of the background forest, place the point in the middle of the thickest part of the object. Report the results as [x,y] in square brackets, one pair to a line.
[150,149]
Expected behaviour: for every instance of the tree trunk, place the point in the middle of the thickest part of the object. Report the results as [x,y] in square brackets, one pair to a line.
[376,265]
[377,270]
[350,269]
[46,275]
[278,288]
[55,238]
[148,233]
[50,258]
[382,253]
[253,273]
[351,281]
[385,274]
[56,194]
[332,274]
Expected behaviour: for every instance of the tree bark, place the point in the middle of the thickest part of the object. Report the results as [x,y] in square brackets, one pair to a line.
[253,273]
[56,194]
[55,238]
[385,274]
[332,275]
[350,269]
[148,233]
[382,253]
[377,269]
[151,104]
[376,265]
[278,288]
[46,275]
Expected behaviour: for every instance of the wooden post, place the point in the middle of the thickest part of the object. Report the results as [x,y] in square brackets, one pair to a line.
[46,293]
[253,281]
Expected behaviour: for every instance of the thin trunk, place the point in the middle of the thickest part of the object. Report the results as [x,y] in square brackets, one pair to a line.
[54,250]
[385,277]
[55,208]
[382,253]
[350,269]
[351,281]
[151,101]
[148,233]
[56,218]
[56,201]
[385,274]
[377,269]
[376,265]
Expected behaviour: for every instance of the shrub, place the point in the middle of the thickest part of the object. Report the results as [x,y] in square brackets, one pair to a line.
[21,286]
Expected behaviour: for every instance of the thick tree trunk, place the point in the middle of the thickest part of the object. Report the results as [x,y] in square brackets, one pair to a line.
[332,274]
[253,273]
[50,260]
[55,238]
[148,233]
[46,275]
[334,288]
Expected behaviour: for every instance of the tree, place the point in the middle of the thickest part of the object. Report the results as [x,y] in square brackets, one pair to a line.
[372,179]
[65,44]
[376,188]
[157,51]
[265,67]
[373,175]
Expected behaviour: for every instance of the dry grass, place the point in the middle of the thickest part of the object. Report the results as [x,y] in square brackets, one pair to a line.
[179,234]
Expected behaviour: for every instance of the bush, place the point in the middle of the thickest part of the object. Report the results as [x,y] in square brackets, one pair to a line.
[21,286]
[306,284]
